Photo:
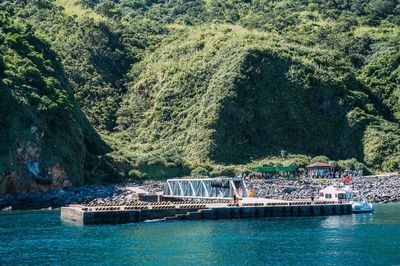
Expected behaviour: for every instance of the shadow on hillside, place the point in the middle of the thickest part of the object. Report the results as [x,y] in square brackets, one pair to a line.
[281,104]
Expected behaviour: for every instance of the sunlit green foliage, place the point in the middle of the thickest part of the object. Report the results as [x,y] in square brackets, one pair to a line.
[37,106]
[92,55]
[218,86]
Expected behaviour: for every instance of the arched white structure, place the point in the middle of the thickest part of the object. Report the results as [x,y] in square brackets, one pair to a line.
[205,188]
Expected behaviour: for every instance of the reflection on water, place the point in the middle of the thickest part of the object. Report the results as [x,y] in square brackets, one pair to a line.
[346,220]
[40,237]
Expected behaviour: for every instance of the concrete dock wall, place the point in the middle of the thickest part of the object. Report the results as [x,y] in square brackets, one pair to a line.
[275,211]
[128,216]
[80,215]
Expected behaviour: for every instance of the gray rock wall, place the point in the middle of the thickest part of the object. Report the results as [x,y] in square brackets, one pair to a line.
[385,188]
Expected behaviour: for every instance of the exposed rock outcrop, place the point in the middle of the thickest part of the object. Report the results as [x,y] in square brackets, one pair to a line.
[31,173]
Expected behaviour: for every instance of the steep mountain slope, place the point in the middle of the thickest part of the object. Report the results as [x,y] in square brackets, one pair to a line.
[90,50]
[362,31]
[230,95]
[46,141]
[198,87]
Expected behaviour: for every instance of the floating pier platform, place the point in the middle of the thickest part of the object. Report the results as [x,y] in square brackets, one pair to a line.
[165,210]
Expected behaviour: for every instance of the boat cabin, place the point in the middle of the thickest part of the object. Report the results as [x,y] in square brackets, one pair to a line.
[338,193]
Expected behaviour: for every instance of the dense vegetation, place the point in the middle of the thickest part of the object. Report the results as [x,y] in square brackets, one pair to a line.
[40,119]
[209,87]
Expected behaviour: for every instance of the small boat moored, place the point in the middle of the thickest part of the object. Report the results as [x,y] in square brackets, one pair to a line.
[345,193]
[361,206]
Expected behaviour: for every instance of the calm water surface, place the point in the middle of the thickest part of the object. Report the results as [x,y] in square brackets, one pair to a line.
[39,237]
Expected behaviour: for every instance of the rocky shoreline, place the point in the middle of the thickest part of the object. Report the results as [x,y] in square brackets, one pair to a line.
[384,188]
[74,195]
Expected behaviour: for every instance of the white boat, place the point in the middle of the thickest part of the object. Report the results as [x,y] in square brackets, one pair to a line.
[346,193]
[361,206]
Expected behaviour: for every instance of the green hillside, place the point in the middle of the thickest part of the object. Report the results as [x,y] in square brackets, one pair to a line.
[203,87]
[45,138]
[229,95]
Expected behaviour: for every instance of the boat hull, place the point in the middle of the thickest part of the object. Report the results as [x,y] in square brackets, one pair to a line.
[363,207]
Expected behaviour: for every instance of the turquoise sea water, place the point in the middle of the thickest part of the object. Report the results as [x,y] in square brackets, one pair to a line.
[39,237]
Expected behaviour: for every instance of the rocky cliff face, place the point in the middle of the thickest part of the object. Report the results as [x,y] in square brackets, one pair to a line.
[31,173]
[46,141]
